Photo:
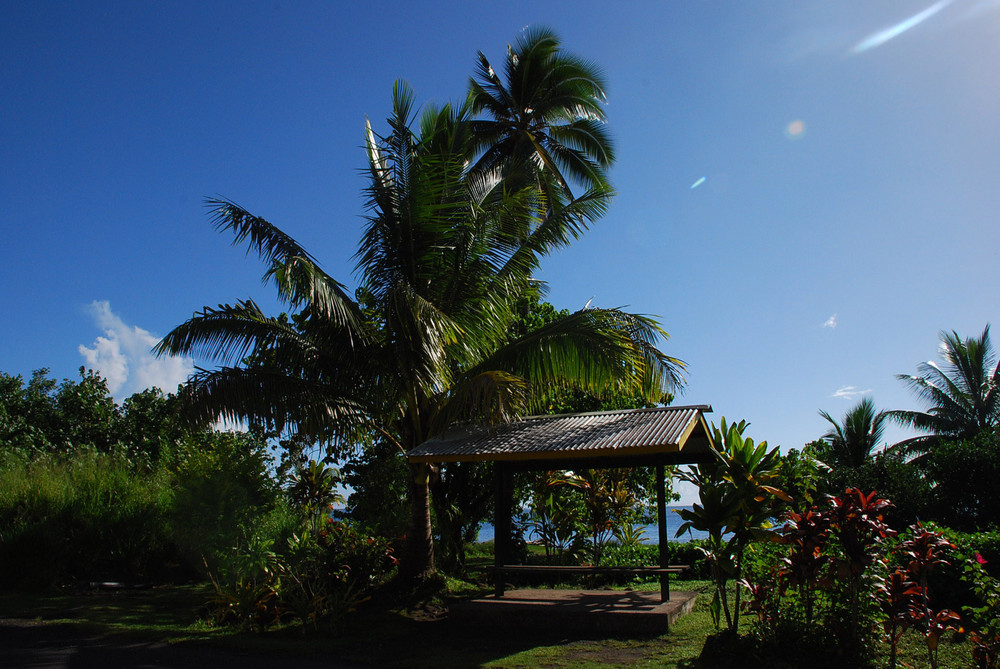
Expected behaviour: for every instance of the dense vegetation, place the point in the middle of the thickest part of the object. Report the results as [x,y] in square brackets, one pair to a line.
[817,550]
[95,492]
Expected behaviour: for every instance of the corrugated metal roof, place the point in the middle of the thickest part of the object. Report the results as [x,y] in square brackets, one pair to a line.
[567,436]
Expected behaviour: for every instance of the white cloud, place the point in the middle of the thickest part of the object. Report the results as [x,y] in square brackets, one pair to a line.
[124,356]
[687,491]
[850,392]
[831,322]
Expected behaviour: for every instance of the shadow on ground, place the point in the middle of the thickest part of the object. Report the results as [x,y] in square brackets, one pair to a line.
[155,629]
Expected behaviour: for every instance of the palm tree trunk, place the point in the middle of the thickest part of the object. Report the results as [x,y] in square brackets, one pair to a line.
[418,557]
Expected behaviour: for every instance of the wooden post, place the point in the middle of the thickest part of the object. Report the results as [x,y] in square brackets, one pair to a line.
[661,526]
[502,523]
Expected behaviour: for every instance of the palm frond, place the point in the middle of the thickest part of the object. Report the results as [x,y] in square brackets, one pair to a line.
[227,334]
[962,398]
[303,284]
[271,397]
[547,111]
[596,349]
[855,437]
[267,240]
[490,398]
[297,275]
[487,92]
[562,224]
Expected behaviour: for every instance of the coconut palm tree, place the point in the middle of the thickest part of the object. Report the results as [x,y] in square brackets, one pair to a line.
[963,396]
[854,438]
[425,343]
[547,112]
[543,126]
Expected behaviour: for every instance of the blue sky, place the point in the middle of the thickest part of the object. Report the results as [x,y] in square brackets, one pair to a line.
[807,190]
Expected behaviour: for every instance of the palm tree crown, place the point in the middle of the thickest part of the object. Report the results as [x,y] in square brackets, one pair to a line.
[548,111]
[963,395]
[854,438]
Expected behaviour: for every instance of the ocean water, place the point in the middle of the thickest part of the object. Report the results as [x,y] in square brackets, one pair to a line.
[649,531]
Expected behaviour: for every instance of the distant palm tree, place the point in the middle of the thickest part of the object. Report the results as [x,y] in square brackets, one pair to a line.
[964,397]
[543,126]
[548,112]
[854,438]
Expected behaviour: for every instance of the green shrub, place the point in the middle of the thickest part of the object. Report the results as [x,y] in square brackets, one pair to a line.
[983,618]
[949,586]
[331,568]
[686,553]
[222,489]
[634,555]
[691,554]
[245,575]
[314,570]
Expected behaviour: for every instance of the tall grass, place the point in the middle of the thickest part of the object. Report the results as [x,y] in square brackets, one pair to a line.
[91,517]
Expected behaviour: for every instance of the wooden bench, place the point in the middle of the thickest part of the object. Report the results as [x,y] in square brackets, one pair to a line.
[648,570]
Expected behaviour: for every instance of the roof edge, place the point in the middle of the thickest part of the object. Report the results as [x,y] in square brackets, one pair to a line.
[704,408]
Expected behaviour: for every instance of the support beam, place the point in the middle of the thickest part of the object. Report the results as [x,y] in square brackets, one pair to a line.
[502,510]
[661,527]
[606,462]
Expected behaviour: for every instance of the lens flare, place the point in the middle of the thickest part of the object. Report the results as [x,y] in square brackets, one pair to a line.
[795,130]
[883,36]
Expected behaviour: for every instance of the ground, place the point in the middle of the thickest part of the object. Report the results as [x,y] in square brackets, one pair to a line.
[162,628]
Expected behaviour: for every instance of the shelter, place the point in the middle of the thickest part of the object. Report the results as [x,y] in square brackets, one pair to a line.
[608,439]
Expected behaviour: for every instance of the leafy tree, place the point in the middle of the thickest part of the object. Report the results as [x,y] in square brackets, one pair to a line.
[444,256]
[965,472]
[151,426]
[894,478]
[963,396]
[377,477]
[853,439]
[804,476]
[88,413]
[20,427]
[461,498]
[45,416]
[222,484]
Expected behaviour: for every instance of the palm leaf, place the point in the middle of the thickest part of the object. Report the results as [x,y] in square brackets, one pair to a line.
[315,411]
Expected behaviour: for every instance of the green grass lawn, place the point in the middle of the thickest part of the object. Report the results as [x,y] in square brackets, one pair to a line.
[417,635]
